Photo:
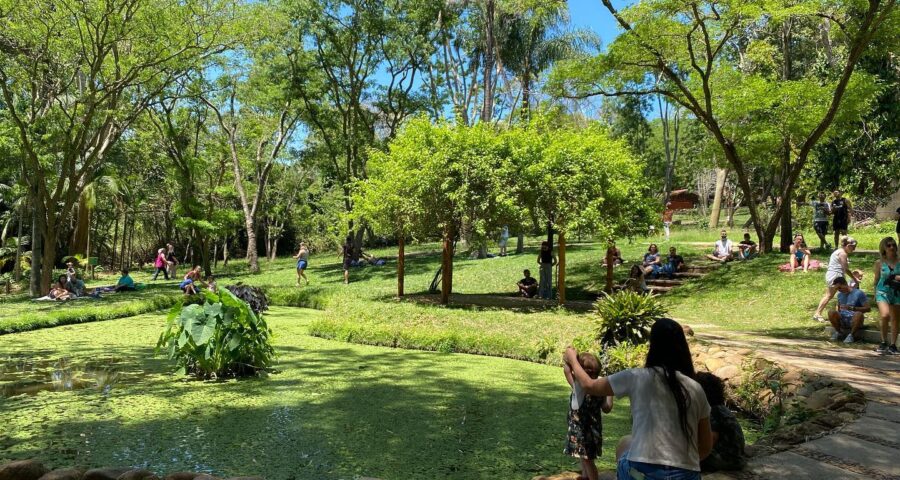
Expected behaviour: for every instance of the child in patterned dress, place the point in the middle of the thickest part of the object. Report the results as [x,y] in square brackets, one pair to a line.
[585,436]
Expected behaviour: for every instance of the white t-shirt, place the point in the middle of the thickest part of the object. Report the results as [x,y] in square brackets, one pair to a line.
[723,249]
[656,432]
[835,269]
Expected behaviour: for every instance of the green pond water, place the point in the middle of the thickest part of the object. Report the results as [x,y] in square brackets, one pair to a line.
[96,395]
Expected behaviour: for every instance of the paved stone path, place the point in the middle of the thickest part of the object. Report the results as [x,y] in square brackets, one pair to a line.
[868,448]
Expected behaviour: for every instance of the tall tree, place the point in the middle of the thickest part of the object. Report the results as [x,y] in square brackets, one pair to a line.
[697,61]
[76,75]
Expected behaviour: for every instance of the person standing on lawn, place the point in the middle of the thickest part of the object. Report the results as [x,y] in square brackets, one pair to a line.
[171,260]
[547,260]
[670,414]
[504,239]
[887,293]
[852,306]
[838,266]
[841,209]
[668,213]
[302,258]
[821,211]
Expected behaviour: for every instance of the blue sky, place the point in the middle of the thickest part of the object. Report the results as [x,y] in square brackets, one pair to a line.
[591,14]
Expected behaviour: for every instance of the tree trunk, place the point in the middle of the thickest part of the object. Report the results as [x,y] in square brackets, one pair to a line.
[561,276]
[78,245]
[48,260]
[252,254]
[215,254]
[115,242]
[609,269]
[401,264]
[38,223]
[225,252]
[17,268]
[721,175]
[447,266]
[487,109]
[520,243]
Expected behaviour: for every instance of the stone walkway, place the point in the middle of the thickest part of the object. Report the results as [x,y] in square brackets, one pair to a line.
[868,448]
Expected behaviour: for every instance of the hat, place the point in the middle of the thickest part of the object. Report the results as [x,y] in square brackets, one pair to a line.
[851,241]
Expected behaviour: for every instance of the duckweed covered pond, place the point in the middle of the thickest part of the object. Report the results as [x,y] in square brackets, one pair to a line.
[331,410]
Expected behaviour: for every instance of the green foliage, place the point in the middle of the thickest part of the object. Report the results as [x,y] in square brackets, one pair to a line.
[217,335]
[623,356]
[627,316]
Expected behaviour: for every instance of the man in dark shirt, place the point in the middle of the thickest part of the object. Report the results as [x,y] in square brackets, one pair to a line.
[841,209]
[528,286]
[748,247]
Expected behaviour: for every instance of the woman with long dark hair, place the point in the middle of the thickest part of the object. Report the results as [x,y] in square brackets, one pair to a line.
[670,430]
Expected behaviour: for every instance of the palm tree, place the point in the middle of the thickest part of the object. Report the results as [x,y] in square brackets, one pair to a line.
[534,38]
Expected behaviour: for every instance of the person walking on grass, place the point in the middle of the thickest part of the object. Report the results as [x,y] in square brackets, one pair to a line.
[850,312]
[887,293]
[161,264]
[667,215]
[547,260]
[821,211]
[302,258]
[838,266]
[347,258]
[171,260]
[840,208]
[670,414]
[585,436]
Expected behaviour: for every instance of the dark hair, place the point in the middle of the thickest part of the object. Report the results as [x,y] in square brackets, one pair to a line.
[747,235]
[653,245]
[713,387]
[124,271]
[636,271]
[526,272]
[669,354]
[839,281]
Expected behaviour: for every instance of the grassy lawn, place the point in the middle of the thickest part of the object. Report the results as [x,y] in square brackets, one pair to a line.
[332,410]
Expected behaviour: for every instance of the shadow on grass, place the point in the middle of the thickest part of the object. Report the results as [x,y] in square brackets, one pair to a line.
[332,413]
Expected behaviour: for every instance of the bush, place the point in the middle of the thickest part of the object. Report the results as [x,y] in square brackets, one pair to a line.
[622,357]
[626,316]
[218,335]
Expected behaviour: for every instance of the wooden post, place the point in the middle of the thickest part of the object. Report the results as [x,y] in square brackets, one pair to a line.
[609,269]
[447,266]
[561,276]
[401,265]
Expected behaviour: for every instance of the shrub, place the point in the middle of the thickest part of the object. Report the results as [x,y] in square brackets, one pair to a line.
[622,357]
[626,316]
[216,335]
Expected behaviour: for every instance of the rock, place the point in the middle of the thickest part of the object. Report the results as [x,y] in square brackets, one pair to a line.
[713,350]
[806,391]
[743,352]
[688,331]
[139,474]
[713,364]
[829,420]
[719,355]
[64,474]
[791,376]
[181,476]
[23,470]
[728,372]
[854,407]
[846,417]
[105,473]
[819,400]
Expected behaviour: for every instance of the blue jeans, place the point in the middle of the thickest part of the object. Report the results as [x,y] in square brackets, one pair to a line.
[629,470]
[546,281]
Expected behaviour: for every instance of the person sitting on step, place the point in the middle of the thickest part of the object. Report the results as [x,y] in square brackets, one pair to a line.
[722,251]
[852,306]
[674,264]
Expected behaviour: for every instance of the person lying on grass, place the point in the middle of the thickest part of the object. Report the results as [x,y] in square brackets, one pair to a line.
[191,283]
[528,286]
[728,437]
[852,306]
[585,436]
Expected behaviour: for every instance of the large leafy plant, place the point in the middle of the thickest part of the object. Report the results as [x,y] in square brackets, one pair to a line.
[217,334]
[626,316]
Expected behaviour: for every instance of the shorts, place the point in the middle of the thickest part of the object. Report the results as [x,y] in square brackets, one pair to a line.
[846,319]
[348,262]
[821,227]
[888,296]
[839,225]
[629,470]
[301,265]
[503,242]
[830,278]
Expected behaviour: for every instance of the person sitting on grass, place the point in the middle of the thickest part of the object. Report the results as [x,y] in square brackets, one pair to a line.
[722,251]
[652,263]
[585,436]
[125,283]
[728,437]
[852,306]
[191,282]
[528,286]
[674,264]
[616,254]
[746,248]
[58,290]
[800,254]
[75,285]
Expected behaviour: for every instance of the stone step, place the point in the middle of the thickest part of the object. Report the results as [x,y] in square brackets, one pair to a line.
[866,334]
[702,268]
[688,275]
[659,290]
[662,282]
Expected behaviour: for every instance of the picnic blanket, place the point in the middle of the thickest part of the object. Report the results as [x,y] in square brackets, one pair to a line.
[813,265]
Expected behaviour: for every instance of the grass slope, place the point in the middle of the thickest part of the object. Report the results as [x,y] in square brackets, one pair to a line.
[332,410]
